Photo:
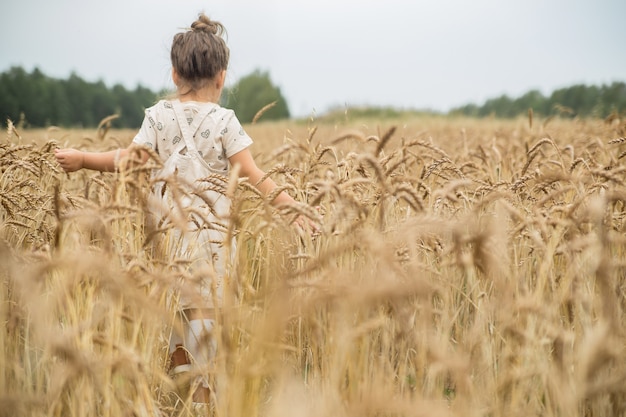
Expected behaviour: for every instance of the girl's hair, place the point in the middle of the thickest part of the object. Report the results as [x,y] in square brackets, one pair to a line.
[199,53]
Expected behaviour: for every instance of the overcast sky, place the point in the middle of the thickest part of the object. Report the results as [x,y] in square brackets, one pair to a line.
[411,54]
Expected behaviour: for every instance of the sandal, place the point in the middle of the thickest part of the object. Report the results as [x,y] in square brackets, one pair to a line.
[179,360]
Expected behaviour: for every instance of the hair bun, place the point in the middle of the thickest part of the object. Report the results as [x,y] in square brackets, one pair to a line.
[206,25]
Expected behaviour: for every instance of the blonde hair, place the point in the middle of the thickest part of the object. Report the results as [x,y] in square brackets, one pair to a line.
[199,53]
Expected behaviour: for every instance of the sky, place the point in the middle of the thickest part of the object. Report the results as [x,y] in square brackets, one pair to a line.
[323,54]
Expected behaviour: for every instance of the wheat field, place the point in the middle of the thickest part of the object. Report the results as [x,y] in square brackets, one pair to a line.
[464,268]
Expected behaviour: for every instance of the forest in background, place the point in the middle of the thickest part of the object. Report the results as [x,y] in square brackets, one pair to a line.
[576,100]
[36,100]
[41,101]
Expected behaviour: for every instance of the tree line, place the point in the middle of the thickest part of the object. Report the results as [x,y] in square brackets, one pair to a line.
[40,101]
[37,100]
[578,100]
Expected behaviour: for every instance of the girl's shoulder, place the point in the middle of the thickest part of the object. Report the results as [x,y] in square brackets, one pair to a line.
[218,114]
[160,105]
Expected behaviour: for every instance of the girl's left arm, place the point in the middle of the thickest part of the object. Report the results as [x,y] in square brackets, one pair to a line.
[248,168]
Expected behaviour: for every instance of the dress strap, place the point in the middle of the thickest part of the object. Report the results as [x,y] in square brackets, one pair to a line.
[189,129]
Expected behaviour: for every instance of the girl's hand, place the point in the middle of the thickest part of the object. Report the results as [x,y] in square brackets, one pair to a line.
[70,159]
[307,225]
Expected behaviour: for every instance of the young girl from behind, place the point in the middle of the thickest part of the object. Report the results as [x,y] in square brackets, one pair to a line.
[195,138]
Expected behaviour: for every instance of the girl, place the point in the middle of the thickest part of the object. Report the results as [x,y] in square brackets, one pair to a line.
[195,138]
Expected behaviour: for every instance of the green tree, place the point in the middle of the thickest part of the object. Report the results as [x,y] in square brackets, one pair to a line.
[102,101]
[24,93]
[34,98]
[80,101]
[582,100]
[501,107]
[253,92]
[613,98]
[9,100]
[59,105]
[531,100]
[130,105]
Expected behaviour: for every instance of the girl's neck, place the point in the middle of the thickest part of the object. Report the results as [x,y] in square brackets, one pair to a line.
[204,95]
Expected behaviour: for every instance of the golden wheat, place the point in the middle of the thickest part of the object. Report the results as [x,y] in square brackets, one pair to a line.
[464,269]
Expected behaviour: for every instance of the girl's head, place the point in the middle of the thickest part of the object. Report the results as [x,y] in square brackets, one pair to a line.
[199,54]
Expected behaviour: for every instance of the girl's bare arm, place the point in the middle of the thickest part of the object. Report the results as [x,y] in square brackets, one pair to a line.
[72,159]
[248,168]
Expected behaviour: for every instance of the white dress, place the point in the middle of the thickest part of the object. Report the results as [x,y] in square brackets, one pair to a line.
[188,196]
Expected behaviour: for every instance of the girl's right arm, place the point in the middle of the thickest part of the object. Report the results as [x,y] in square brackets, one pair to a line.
[72,159]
